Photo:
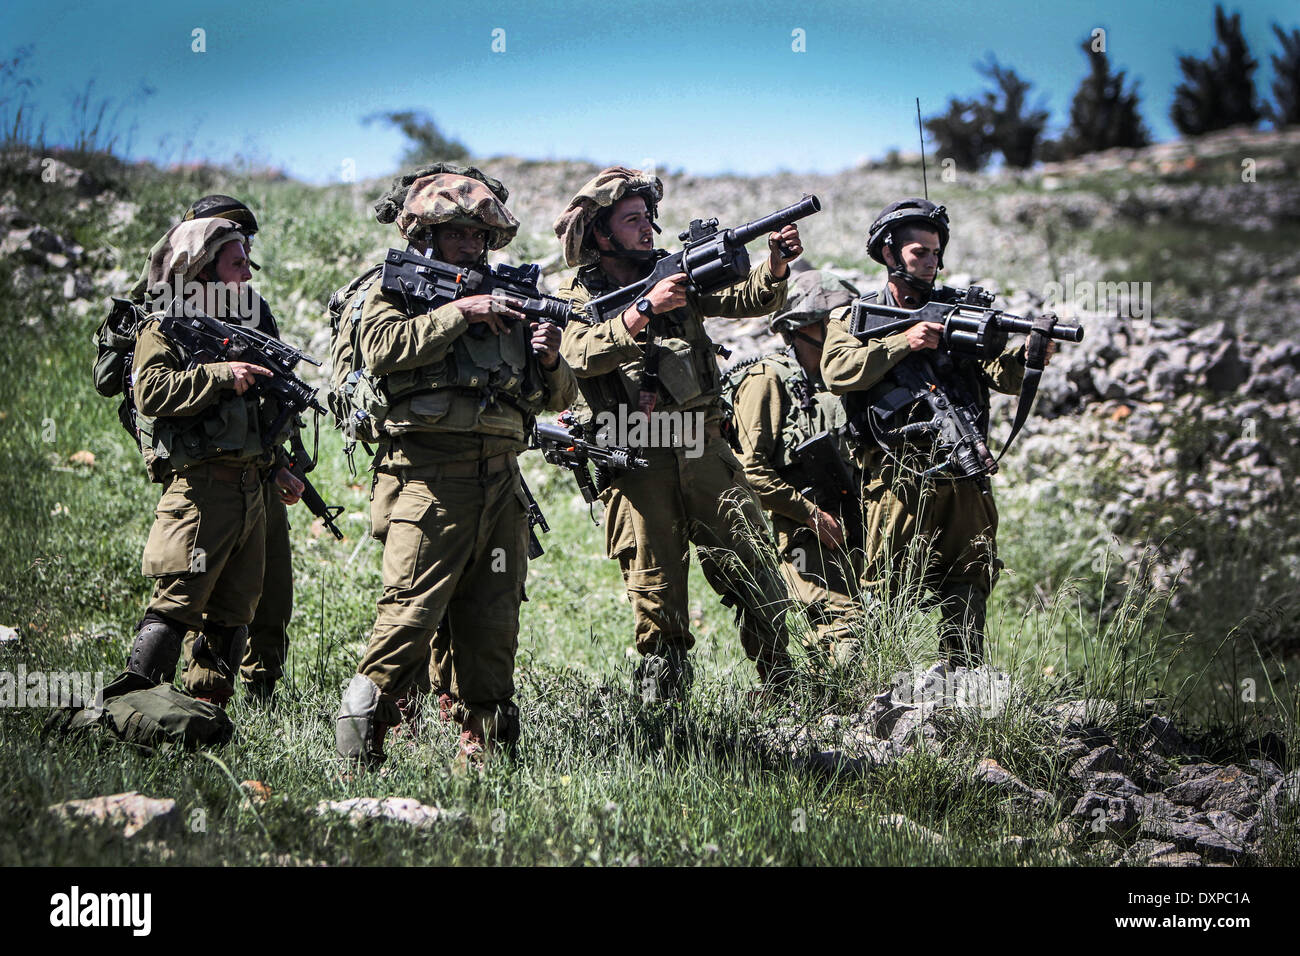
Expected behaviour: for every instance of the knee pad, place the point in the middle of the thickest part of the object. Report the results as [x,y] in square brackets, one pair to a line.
[156,650]
[355,724]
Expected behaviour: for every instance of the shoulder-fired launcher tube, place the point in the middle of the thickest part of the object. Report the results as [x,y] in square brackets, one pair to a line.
[750,231]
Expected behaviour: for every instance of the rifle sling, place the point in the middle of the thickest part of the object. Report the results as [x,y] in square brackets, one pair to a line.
[1035,361]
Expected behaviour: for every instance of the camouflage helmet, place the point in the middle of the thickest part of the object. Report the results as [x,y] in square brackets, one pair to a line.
[223,207]
[813,296]
[608,186]
[917,212]
[447,198]
[188,246]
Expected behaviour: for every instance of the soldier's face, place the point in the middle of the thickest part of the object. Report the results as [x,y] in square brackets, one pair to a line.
[630,224]
[919,250]
[232,264]
[460,245]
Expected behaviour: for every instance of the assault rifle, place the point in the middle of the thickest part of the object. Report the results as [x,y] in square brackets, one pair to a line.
[831,483]
[211,340]
[299,464]
[431,283]
[957,422]
[711,260]
[535,520]
[563,444]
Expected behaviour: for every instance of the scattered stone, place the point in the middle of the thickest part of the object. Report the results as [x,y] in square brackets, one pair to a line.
[1076,716]
[1097,761]
[1225,371]
[1178,858]
[1159,736]
[399,809]
[913,727]
[1194,837]
[1102,815]
[1114,783]
[133,812]
[1222,788]
[1018,795]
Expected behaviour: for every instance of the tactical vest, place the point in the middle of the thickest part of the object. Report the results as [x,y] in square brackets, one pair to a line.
[964,368]
[808,408]
[231,427]
[688,362]
[460,392]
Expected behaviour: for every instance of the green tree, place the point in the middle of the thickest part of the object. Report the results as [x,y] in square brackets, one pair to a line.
[1103,115]
[963,134]
[1017,129]
[426,143]
[1218,91]
[1285,108]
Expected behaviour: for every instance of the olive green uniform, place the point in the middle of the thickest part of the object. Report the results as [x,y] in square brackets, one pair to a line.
[654,514]
[778,406]
[206,550]
[941,533]
[447,503]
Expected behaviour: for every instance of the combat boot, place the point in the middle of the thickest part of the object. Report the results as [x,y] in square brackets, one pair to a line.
[485,733]
[663,677]
[776,675]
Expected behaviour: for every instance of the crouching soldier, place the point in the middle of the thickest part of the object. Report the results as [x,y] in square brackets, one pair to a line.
[797,458]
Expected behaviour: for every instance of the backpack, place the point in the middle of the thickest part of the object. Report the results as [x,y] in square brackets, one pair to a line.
[150,718]
[357,399]
[115,352]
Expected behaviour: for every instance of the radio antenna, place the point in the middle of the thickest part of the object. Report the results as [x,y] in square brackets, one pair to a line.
[921,136]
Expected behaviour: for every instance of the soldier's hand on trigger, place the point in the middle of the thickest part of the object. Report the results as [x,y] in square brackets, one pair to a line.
[546,343]
[667,294]
[245,375]
[788,237]
[1051,350]
[827,528]
[492,311]
[924,335]
[291,488]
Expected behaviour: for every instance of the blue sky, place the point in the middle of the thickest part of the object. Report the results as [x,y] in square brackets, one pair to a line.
[706,87]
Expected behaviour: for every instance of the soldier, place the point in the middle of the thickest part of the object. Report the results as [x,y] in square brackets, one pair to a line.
[685,496]
[447,502]
[268,635]
[956,522]
[781,402]
[202,437]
